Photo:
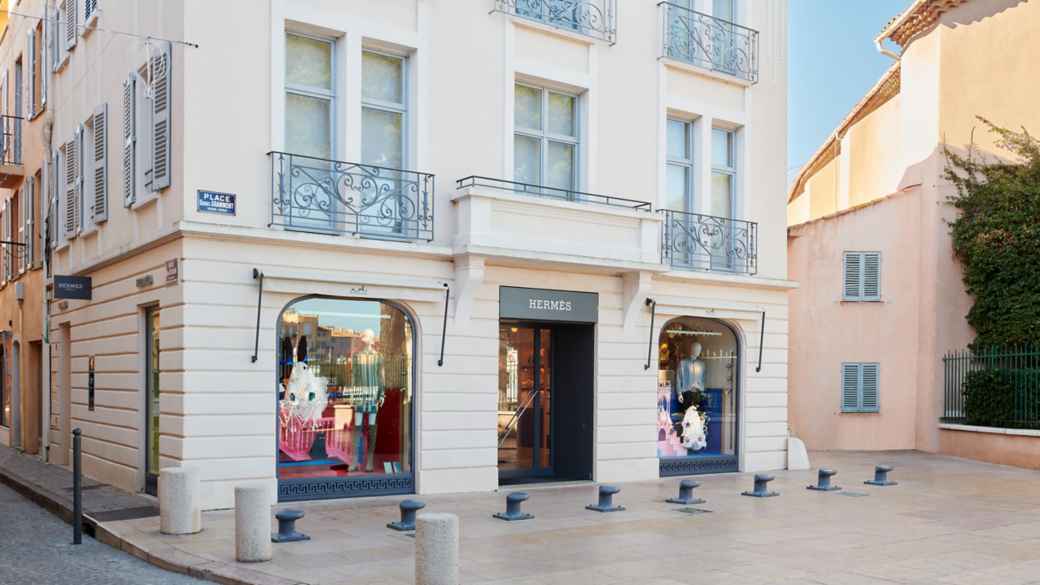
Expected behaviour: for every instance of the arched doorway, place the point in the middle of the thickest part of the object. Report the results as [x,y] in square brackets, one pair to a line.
[345,380]
[698,397]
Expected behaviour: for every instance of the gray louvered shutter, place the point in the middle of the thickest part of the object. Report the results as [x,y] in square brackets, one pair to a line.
[129,172]
[100,167]
[71,218]
[29,205]
[871,276]
[70,24]
[45,47]
[30,85]
[161,79]
[869,387]
[4,258]
[853,274]
[850,387]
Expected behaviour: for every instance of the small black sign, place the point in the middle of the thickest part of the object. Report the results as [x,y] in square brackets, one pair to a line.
[72,287]
[535,304]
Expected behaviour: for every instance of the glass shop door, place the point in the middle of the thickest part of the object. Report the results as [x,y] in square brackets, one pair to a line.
[525,429]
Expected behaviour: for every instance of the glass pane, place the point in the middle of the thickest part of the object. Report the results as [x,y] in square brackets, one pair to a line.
[678,140]
[677,197]
[344,390]
[516,387]
[560,171]
[308,62]
[721,148]
[527,160]
[382,78]
[152,381]
[721,204]
[308,125]
[561,115]
[723,9]
[696,389]
[528,108]
[382,139]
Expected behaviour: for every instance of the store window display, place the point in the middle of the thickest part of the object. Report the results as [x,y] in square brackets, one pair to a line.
[697,392]
[344,389]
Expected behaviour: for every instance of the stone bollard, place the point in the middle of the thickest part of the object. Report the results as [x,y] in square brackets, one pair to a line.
[437,549]
[761,489]
[514,501]
[252,524]
[606,500]
[179,508]
[881,476]
[686,498]
[408,510]
[823,482]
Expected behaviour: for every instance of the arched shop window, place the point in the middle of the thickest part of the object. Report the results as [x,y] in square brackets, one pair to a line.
[345,398]
[697,397]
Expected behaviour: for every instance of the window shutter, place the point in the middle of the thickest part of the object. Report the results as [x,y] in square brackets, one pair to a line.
[100,150]
[71,210]
[4,260]
[160,65]
[871,375]
[30,85]
[45,46]
[850,387]
[872,276]
[28,203]
[853,274]
[129,135]
[70,24]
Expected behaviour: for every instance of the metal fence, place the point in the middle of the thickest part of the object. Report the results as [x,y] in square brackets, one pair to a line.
[10,140]
[593,18]
[709,42]
[704,242]
[318,195]
[553,192]
[1015,375]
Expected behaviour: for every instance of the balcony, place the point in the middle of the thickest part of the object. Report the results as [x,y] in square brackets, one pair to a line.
[11,169]
[709,43]
[692,241]
[541,224]
[592,18]
[343,198]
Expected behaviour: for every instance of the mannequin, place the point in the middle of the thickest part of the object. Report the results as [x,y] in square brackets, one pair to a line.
[690,378]
[367,372]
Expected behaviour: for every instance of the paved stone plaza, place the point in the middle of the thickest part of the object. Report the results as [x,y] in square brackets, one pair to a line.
[948,521]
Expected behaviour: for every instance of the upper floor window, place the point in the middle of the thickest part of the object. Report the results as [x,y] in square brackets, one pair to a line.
[384,110]
[859,387]
[862,276]
[680,171]
[546,138]
[309,96]
[710,41]
[146,143]
[594,18]
[723,173]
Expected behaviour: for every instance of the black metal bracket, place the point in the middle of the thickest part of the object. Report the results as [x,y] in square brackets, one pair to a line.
[444,326]
[761,340]
[653,314]
[257,275]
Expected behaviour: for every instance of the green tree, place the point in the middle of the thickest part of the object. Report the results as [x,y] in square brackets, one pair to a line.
[996,237]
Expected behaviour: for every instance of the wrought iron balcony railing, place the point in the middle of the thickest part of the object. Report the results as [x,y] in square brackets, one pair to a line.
[10,140]
[594,18]
[704,242]
[334,197]
[552,192]
[710,43]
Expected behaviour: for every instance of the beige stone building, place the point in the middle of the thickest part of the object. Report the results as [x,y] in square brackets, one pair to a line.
[397,246]
[880,298]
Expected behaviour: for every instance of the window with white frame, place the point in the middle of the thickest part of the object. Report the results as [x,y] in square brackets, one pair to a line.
[384,110]
[309,96]
[147,120]
[723,173]
[861,276]
[546,138]
[859,387]
[93,149]
[680,180]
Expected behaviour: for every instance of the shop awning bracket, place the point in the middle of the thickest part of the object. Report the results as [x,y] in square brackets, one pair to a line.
[257,275]
[653,314]
[444,325]
[761,339]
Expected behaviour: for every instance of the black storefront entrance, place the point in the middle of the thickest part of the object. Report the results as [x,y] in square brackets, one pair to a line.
[546,381]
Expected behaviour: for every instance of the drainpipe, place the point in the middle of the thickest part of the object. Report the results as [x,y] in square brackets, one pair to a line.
[886,52]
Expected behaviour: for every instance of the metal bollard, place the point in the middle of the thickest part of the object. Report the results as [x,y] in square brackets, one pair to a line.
[606,500]
[513,512]
[686,498]
[823,482]
[77,486]
[287,526]
[761,489]
[881,476]
[408,510]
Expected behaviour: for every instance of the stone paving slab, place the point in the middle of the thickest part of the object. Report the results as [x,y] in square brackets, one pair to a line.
[949,521]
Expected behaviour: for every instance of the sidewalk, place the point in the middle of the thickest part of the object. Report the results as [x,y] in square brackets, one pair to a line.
[949,521]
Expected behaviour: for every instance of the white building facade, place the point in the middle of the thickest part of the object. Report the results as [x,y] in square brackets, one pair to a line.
[419,246]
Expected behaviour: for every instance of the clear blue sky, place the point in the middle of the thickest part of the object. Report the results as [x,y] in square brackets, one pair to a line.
[832,63]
